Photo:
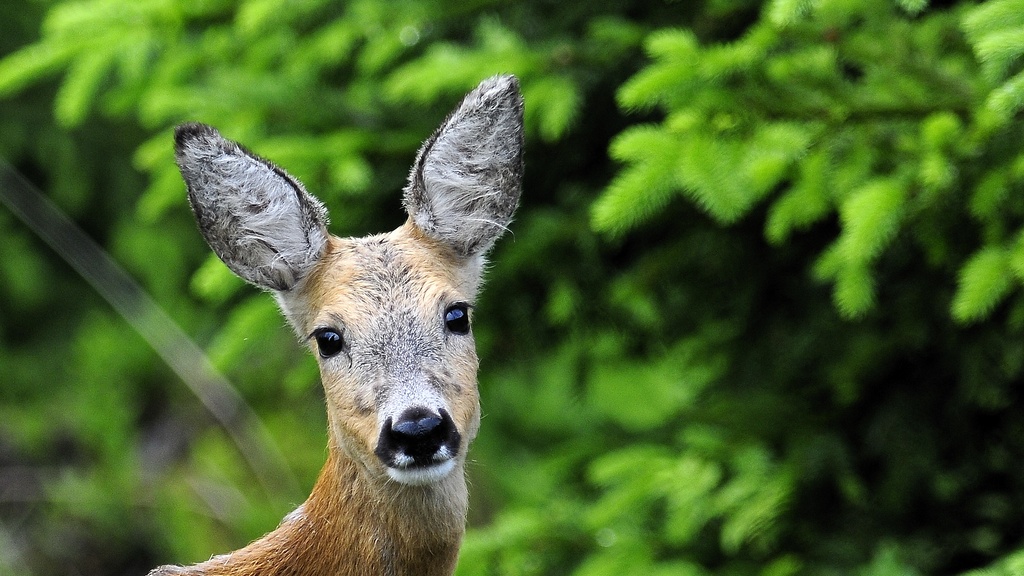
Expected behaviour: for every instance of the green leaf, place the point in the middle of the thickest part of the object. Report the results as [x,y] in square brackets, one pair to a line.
[690,485]
[643,187]
[612,38]
[214,282]
[989,195]
[912,7]
[993,15]
[753,499]
[710,171]
[854,292]
[941,130]
[871,218]
[936,172]
[627,463]
[255,17]
[806,202]
[984,282]
[668,79]
[671,44]
[165,192]
[1009,565]
[1016,257]
[85,75]
[448,69]
[1006,100]
[771,152]
[552,103]
[784,13]
[635,396]
[996,32]
[32,63]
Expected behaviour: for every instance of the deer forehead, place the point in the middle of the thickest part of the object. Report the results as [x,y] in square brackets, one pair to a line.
[393,282]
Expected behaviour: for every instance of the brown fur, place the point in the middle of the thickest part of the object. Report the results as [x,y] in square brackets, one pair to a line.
[346,530]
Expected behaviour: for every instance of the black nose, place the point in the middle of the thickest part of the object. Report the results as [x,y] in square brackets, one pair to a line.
[420,437]
[416,425]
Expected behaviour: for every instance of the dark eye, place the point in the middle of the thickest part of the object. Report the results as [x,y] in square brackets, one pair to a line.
[328,342]
[456,318]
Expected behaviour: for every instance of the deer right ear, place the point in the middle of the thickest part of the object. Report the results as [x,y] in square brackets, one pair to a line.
[465,183]
[259,220]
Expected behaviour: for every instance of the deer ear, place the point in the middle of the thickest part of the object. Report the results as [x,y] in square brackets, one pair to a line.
[259,220]
[465,183]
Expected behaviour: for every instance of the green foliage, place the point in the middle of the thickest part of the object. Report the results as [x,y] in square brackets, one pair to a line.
[760,311]
[809,113]
[983,284]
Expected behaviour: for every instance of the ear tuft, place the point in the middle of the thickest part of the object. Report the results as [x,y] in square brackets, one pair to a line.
[259,220]
[464,186]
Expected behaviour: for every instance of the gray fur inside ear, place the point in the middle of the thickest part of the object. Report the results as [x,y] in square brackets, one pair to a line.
[465,184]
[259,220]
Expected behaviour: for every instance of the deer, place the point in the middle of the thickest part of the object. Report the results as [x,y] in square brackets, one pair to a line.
[388,318]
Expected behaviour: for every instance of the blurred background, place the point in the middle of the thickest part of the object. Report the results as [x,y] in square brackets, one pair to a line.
[760,311]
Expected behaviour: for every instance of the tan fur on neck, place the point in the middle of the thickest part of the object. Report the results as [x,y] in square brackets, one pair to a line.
[341,530]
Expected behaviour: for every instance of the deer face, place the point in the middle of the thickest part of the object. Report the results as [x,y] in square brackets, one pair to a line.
[387,316]
[389,321]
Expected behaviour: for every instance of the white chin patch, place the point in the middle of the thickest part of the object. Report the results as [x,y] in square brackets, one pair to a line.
[422,475]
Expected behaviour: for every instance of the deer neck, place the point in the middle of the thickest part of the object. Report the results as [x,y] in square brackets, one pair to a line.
[354,525]
[402,529]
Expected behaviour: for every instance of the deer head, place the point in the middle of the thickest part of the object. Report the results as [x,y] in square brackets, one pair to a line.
[388,317]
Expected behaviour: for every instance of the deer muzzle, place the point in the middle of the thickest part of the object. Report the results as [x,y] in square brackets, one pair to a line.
[420,446]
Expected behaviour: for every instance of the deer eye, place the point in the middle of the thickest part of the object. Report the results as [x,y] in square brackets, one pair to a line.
[328,342]
[456,318]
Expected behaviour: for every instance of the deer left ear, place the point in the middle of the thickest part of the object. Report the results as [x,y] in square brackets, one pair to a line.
[464,186]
